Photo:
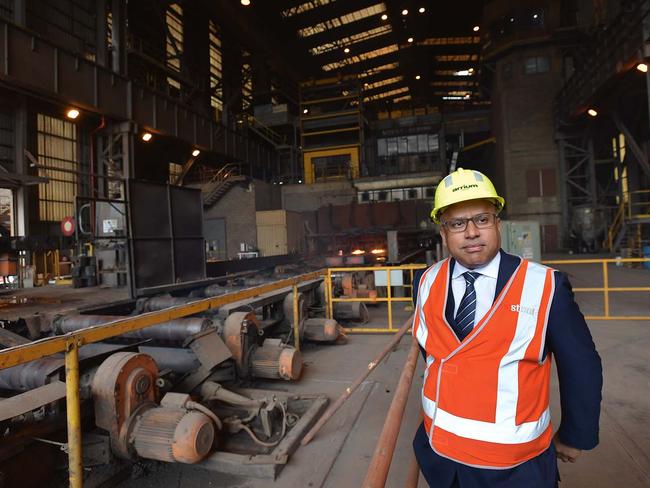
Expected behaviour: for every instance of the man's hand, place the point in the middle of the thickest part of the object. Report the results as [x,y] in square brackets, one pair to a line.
[564,452]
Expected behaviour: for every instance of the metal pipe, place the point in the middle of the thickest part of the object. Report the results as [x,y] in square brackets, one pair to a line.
[328,294]
[296,319]
[381,459]
[350,389]
[173,331]
[29,376]
[75,468]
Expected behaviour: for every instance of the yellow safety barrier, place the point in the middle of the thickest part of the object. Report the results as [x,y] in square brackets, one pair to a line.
[389,299]
[71,342]
[606,289]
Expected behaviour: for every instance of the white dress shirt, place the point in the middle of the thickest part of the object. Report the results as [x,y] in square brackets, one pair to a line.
[485,286]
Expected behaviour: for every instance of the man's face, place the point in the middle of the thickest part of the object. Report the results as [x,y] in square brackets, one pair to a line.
[472,247]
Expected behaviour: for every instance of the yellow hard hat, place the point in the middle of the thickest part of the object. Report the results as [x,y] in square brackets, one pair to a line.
[463,185]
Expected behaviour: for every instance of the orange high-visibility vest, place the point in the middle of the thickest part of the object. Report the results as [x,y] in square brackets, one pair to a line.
[486,399]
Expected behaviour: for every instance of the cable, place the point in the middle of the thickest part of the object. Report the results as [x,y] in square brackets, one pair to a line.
[203,409]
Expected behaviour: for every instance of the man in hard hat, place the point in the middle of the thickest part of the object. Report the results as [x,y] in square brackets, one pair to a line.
[488,324]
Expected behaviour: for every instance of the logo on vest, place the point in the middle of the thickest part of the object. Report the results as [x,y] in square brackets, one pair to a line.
[521,309]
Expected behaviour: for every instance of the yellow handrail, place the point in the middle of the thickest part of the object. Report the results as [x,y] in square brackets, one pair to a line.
[606,289]
[389,299]
[72,341]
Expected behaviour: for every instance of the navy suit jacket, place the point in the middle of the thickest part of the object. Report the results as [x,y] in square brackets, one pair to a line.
[578,367]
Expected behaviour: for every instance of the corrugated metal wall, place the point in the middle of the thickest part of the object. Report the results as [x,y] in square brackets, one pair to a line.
[70,23]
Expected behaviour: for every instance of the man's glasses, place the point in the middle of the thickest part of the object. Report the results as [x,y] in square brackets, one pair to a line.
[481,221]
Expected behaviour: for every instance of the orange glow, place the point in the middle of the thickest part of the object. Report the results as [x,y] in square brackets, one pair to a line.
[378,251]
[358,252]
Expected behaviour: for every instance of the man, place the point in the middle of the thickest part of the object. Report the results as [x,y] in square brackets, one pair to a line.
[488,324]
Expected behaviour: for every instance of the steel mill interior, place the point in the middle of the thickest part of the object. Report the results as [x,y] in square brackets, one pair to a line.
[214,217]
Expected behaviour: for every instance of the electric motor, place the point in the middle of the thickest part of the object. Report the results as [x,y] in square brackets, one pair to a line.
[173,435]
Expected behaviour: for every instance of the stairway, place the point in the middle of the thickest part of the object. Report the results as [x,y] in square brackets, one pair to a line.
[265,132]
[213,192]
[630,228]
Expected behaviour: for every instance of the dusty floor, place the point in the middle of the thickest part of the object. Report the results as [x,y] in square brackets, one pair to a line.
[339,456]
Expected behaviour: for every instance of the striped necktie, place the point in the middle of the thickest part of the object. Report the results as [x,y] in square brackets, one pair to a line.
[464,322]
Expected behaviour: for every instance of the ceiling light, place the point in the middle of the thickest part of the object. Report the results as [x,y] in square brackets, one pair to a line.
[196,152]
[422,10]
[73,113]
[592,112]
[476,28]
[405,12]
[417,77]
[384,17]
[146,137]
[642,67]
[245,3]
[346,50]
[410,39]
[305,110]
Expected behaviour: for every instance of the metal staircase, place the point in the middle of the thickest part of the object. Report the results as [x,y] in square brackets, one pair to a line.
[630,228]
[265,132]
[220,183]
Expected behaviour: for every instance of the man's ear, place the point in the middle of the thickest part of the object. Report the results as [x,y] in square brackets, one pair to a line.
[444,237]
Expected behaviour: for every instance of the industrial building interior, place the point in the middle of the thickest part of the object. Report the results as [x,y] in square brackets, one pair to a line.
[212,211]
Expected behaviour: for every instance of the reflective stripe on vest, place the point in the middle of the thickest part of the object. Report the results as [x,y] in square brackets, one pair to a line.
[486,399]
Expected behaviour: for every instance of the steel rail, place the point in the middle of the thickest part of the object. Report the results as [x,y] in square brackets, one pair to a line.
[45,347]
[383,456]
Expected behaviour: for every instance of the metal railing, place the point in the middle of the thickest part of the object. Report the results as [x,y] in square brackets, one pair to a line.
[606,289]
[389,299]
[638,205]
[71,342]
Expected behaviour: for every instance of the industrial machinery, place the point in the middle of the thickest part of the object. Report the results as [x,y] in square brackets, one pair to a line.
[171,392]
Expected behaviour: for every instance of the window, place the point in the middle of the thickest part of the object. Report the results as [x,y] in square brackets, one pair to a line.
[174,41]
[247,83]
[175,171]
[415,144]
[216,68]
[537,64]
[58,160]
[541,182]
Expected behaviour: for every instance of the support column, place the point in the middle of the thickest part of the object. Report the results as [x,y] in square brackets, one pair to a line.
[22,192]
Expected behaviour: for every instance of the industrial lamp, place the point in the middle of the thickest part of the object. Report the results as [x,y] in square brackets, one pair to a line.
[73,113]
[592,112]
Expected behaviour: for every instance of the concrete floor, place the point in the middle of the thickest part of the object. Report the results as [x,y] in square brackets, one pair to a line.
[339,456]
